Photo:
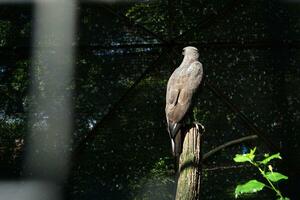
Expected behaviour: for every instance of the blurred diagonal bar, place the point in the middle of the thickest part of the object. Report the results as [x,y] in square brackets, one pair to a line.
[50,123]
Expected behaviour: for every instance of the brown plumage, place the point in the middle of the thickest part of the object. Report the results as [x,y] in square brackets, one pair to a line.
[182,86]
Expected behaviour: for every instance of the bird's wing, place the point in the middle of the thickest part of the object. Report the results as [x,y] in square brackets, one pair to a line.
[195,76]
[180,91]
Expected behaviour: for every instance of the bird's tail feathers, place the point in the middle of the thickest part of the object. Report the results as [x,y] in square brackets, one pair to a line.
[176,145]
[173,129]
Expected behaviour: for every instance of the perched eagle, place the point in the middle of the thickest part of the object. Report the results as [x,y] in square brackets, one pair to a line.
[181,88]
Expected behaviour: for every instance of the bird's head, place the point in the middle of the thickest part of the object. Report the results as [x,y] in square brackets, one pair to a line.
[190,52]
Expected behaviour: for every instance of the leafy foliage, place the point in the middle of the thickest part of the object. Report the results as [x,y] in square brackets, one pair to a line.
[269,158]
[275,176]
[254,186]
[251,186]
[245,157]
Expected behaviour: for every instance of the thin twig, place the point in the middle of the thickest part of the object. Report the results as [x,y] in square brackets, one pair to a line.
[232,142]
[226,167]
[242,116]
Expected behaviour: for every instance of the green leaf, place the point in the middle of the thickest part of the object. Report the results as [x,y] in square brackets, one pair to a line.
[241,158]
[266,155]
[283,198]
[248,157]
[275,176]
[268,159]
[252,153]
[251,186]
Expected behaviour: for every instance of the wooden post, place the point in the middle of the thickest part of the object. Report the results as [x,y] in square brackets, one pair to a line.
[188,185]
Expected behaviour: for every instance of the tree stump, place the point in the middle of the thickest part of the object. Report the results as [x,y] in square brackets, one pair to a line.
[188,185]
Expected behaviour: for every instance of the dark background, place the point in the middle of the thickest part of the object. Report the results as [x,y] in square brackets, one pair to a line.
[125,53]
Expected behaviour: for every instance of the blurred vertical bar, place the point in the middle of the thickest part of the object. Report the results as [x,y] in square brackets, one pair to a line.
[50,124]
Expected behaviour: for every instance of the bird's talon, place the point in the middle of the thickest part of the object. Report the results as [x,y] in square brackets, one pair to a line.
[197,124]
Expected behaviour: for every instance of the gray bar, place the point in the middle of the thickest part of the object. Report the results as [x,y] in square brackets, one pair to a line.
[50,124]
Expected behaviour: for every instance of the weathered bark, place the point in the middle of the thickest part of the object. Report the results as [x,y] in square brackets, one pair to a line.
[188,186]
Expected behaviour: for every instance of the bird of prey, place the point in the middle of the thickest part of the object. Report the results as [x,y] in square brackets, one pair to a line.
[181,88]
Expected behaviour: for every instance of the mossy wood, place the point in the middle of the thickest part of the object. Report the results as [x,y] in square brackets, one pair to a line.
[188,185]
